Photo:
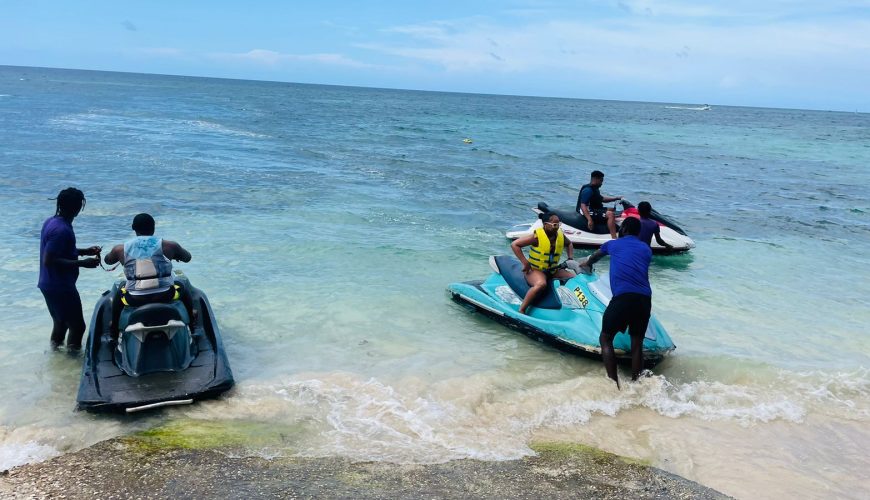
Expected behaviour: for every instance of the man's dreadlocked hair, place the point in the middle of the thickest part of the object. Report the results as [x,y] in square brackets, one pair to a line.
[70,200]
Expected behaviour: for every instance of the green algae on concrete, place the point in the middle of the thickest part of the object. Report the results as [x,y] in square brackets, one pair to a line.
[194,434]
[556,449]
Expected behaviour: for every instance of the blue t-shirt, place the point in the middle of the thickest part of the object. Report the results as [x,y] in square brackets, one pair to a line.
[648,228]
[629,265]
[58,239]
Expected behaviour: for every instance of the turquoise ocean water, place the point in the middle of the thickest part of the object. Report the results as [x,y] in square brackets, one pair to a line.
[325,223]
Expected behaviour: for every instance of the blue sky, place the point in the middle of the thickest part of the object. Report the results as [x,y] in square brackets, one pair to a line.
[775,53]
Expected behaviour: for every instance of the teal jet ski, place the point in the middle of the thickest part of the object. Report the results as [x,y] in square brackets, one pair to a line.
[568,316]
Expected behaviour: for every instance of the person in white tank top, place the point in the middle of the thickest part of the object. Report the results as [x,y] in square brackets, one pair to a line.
[148,266]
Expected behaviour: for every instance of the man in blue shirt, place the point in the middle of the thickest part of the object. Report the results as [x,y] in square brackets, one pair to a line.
[59,269]
[590,204]
[649,227]
[632,295]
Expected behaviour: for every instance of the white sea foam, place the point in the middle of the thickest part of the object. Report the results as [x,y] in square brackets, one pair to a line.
[15,454]
[842,394]
[476,417]
[217,128]
[718,401]
[107,120]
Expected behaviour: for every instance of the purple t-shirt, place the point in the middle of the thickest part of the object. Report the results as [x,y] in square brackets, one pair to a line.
[648,228]
[629,265]
[58,239]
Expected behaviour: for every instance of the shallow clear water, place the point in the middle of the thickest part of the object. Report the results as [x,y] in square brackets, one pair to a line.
[326,222]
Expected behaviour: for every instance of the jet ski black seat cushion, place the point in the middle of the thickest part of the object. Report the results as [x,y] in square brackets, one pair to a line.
[512,272]
[154,314]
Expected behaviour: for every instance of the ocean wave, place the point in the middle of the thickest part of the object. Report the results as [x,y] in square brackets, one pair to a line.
[411,421]
[482,416]
[841,394]
[15,454]
[217,128]
[107,120]
[369,420]
[718,401]
[562,156]
[497,153]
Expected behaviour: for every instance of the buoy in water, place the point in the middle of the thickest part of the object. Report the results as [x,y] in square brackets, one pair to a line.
[466,140]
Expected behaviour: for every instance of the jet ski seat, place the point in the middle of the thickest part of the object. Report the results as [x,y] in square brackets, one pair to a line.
[157,313]
[156,338]
[512,272]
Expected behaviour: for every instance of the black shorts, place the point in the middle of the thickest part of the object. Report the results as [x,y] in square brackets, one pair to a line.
[599,215]
[628,310]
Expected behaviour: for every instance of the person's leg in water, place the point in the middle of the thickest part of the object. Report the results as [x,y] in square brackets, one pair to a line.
[612,323]
[59,326]
[537,280]
[58,333]
[75,321]
[637,330]
[636,355]
[608,356]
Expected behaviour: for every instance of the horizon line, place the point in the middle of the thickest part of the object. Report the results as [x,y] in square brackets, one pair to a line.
[399,89]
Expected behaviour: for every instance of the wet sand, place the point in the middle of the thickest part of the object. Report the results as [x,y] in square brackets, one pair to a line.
[134,468]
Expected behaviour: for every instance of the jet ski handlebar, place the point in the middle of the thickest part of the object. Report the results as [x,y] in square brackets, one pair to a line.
[573,265]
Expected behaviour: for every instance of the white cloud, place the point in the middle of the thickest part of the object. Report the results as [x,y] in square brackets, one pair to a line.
[748,9]
[642,49]
[273,58]
[670,8]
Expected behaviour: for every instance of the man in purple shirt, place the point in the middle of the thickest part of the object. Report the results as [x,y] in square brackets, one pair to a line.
[632,295]
[649,227]
[59,269]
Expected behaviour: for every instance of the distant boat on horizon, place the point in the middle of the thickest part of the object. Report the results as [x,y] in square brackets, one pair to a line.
[705,107]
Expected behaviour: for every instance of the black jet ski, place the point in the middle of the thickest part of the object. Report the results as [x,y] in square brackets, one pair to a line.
[575,228]
[156,360]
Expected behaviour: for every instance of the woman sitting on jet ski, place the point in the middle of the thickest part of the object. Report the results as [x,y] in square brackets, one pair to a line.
[542,265]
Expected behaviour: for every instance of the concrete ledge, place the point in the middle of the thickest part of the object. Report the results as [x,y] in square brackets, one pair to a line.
[132,467]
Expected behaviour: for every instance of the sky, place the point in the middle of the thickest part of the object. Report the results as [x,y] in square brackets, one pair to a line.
[811,54]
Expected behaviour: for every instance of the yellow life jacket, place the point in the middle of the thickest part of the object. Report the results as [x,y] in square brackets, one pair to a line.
[542,256]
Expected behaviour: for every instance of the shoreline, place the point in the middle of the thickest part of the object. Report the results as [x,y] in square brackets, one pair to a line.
[138,467]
